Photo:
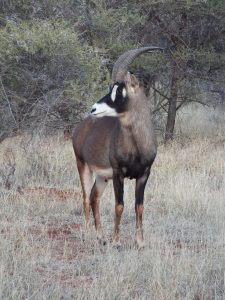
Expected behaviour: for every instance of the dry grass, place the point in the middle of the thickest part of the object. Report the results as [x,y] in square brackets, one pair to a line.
[45,253]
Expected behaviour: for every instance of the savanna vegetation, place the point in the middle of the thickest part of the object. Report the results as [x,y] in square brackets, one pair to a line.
[56,59]
[45,252]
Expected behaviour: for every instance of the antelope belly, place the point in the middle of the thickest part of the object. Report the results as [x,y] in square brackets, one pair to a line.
[104,173]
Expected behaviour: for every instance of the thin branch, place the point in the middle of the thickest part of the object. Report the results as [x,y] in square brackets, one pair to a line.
[7,100]
[188,101]
[160,93]
[160,106]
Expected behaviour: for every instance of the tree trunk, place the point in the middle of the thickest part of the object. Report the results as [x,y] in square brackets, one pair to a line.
[171,117]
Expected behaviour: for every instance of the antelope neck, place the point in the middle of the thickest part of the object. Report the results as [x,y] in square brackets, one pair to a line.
[137,125]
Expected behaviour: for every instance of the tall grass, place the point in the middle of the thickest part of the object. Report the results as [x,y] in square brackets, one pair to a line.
[46,254]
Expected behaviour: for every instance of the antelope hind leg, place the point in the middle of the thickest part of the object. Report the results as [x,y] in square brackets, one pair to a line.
[96,193]
[86,180]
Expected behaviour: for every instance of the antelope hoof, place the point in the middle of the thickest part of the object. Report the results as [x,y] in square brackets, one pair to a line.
[116,245]
[116,242]
[100,239]
[139,239]
[102,242]
[140,244]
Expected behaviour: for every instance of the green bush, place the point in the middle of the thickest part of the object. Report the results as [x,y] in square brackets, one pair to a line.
[46,61]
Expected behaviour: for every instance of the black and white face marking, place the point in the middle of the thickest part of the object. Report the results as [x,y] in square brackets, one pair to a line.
[113,103]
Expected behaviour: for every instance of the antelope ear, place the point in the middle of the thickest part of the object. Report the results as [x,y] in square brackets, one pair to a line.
[134,81]
[127,78]
[131,80]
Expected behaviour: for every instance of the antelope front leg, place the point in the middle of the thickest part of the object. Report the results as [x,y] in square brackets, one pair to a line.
[118,183]
[139,208]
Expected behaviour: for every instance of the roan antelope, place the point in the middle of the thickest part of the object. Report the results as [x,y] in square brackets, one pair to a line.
[115,142]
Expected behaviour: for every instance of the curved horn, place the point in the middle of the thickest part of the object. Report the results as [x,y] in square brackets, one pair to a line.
[121,65]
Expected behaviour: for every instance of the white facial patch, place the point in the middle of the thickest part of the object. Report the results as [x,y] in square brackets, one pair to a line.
[113,93]
[124,92]
[102,109]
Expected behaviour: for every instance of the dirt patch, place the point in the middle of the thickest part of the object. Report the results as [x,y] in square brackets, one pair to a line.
[57,194]
[63,231]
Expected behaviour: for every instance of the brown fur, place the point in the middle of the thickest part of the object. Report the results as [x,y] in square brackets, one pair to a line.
[127,145]
[91,143]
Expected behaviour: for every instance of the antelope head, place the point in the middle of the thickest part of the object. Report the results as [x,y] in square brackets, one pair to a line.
[124,85]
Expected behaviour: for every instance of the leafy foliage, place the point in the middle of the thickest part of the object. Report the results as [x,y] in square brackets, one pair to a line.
[45,68]
[56,56]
